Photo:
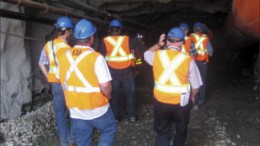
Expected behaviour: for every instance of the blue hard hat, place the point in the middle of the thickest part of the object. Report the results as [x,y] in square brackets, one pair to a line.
[176,32]
[115,23]
[198,25]
[184,26]
[205,28]
[63,22]
[84,29]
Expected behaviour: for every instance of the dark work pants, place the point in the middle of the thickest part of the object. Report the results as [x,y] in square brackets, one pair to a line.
[202,66]
[165,115]
[128,85]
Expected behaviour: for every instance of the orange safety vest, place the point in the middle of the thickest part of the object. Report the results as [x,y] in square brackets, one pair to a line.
[186,47]
[53,49]
[79,80]
[200,41]
[118,54]
[171,69]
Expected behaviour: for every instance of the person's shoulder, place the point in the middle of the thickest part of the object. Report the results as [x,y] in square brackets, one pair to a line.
[98,56]
[58,40]
[61,41]
[63,54]
[106,36]
[49,41]
[161,50]
[187,55]
[124,35]
[95,53]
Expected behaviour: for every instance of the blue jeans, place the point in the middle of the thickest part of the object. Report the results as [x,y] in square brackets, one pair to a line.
[128,85]
[60,114]
[202,66]
[105,124]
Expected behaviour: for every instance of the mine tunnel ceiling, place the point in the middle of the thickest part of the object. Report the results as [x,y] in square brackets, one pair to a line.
[133,13]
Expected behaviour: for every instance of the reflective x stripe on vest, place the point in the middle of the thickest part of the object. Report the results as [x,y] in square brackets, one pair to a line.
[52,49]
[199,44]
[118,50]
[73,68]
[183,49]
[169,74]
[138,61]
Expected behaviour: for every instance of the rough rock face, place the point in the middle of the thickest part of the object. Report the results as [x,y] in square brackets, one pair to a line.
[38,32]
[15,67]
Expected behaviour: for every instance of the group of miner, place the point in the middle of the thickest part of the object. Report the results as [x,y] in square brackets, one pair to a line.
[87,82]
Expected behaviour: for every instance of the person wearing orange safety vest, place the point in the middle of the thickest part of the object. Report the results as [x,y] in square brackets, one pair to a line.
[188,46]
[85,79]
[204,51]
[177,81]
[49,54]
[120,55]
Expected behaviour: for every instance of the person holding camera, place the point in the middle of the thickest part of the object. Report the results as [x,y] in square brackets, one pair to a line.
[177,81]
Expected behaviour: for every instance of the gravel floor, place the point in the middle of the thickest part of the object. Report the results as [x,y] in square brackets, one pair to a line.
[38,128]
[229,118]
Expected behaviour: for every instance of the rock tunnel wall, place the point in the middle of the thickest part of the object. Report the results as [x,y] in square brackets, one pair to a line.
[20,74]
[15,67]
[38,32]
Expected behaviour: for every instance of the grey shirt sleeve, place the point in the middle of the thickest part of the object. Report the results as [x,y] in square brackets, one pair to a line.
[210,49]
[43,57]
[194,76]
[148,57]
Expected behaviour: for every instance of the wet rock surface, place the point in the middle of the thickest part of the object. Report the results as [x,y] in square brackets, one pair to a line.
[230,117]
